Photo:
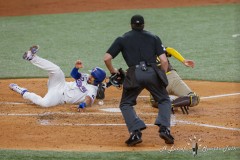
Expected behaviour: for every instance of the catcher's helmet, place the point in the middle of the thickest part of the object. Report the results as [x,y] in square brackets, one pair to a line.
[99,75]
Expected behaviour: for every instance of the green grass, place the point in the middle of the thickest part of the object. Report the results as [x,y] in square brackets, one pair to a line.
[203,34]
[153,155]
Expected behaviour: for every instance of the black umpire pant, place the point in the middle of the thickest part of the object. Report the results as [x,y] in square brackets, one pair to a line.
[136,80]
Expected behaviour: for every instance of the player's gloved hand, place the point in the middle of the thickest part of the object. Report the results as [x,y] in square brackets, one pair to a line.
[81,107]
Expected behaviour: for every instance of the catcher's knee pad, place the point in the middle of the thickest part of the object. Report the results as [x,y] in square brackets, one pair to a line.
[153,102]
[194,99]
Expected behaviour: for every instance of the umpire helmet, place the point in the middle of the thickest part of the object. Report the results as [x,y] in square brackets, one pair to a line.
[99,75]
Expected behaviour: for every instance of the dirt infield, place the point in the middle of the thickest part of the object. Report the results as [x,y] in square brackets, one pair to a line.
[31,7]
[26,126]
[214,121]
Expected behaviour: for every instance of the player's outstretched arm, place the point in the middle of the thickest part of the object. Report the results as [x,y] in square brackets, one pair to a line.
[178,56]
[175,54]
[87,103]
[74,73]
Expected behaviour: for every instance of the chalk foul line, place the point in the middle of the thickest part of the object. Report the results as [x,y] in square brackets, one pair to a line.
[206,125]
[182,122]
[221,95]
[70,113]
[208,97]
[47,122]
[15,103]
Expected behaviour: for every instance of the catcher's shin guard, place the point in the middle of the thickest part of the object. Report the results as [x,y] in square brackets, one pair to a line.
[192,99]
[184,102]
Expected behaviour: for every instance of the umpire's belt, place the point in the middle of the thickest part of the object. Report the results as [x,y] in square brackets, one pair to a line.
[138,66]
[143,65]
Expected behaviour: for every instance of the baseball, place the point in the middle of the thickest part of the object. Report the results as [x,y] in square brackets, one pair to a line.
[101,102]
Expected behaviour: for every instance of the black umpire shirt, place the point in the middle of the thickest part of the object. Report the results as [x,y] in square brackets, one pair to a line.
[137,46]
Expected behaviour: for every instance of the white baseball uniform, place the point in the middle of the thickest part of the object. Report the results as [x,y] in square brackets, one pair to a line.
[60,91]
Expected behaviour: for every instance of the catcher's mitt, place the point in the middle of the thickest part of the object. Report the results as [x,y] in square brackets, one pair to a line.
[117,79]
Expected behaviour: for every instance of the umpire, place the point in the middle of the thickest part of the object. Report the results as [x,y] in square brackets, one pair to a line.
[139,49]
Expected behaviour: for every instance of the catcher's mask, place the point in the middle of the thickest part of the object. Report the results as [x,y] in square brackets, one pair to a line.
[99,75]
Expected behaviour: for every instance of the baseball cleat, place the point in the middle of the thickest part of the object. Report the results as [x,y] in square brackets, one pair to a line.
[134,138]
[164,133]
[17,89]
[31,52]
[34,49]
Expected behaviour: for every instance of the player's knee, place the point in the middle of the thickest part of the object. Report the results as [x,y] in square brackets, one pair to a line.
[57,69]
[45,104]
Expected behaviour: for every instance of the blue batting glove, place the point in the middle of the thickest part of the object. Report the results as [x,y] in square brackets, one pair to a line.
[82,105]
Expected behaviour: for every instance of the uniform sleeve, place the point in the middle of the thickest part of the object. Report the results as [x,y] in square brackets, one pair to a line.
[92,92]
[115,48]
[160,49]
[175,54]
[75,74]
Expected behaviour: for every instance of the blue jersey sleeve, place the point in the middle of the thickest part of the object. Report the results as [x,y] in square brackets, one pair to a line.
[75,74]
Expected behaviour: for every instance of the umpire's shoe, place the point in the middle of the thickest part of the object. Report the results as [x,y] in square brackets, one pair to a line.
[164,133]
[134,138]
[31,52]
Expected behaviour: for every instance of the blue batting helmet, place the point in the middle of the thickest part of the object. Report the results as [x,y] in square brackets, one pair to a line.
[99,75]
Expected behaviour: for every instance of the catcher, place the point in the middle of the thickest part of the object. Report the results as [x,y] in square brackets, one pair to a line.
[176,86]
[83,91]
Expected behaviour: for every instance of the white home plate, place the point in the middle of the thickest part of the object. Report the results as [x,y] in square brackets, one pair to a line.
[111,109]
